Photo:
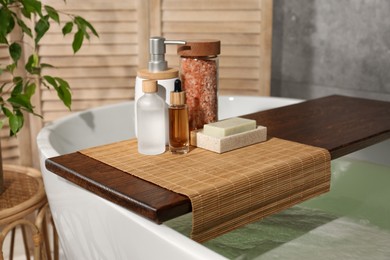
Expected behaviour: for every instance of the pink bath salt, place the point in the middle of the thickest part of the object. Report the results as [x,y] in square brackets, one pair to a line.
[200,81]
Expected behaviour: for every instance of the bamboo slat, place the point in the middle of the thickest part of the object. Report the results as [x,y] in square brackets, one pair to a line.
[232,189]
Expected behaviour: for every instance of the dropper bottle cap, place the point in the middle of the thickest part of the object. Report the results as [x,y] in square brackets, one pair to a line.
[178,97]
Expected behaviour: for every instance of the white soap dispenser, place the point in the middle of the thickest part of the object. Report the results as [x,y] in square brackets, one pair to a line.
[157,70]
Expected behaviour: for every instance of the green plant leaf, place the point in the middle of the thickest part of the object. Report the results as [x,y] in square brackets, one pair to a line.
[1,124]
[31,6]
[3,39]
[21,101]
[51,81]
[84,23]
[62,88]
[18,86]
[29,89]
[15,50]
[6,111]
[24,27]
[16,122]
[64,92]
[52,13]
[5,15]
[11,24]
[78,41]
[46,65]
[67,28]
[11,68]
[32,64]
[41,27]
[26,13]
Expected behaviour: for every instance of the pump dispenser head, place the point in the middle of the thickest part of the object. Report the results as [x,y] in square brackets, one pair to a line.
[157,51]
[178,97]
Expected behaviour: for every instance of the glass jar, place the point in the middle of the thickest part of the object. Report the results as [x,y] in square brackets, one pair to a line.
[199,75]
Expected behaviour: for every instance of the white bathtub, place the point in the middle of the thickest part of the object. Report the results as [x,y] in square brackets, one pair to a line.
[93,228]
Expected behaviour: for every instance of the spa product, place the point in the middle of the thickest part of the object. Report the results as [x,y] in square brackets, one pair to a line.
[157,70]
[228,143]
[151,113]
[178,121]
[199,74]
[229,126]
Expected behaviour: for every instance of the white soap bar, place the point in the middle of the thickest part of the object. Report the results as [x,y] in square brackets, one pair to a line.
[228,143]
[229,126]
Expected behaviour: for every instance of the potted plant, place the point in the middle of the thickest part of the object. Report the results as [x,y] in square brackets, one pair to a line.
[30,20]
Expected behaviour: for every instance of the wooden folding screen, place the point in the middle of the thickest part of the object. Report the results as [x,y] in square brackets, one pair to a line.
[104,70]
[10,146]
[244,28]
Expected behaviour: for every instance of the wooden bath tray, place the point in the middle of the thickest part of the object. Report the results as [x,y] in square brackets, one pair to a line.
[337,123]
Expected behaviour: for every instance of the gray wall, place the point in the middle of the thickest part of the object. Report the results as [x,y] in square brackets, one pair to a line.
[324,47]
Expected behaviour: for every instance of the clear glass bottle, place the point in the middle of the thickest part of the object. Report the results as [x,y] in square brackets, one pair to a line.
[199,75]
[179,134]
[151,120]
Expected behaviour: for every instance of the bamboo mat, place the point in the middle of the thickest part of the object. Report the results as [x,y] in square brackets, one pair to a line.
[232,189]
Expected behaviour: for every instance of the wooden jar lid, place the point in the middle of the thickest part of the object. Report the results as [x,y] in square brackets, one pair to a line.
[200,48]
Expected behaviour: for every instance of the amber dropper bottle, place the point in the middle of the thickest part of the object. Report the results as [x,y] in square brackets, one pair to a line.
[179,140]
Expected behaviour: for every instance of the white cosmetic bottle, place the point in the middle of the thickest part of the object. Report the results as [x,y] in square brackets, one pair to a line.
[151,120]
[158,70]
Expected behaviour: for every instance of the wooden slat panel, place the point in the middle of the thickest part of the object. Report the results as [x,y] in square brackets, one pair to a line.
[90,61]
[104,38]
[239,61]
[244,92]
[238,73]
[77,105]
[233,50]
[5,77]
[9,145]
[8,142]
[212,16]
[72,6]
[87,94]
[226,39]
[240,25]
[241,84]
[106,15]
[106,27]
[104,70]
[95,50]
[211,4]
[4,52]
[197,27]
[92,83]
[225,61]
[87,72]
